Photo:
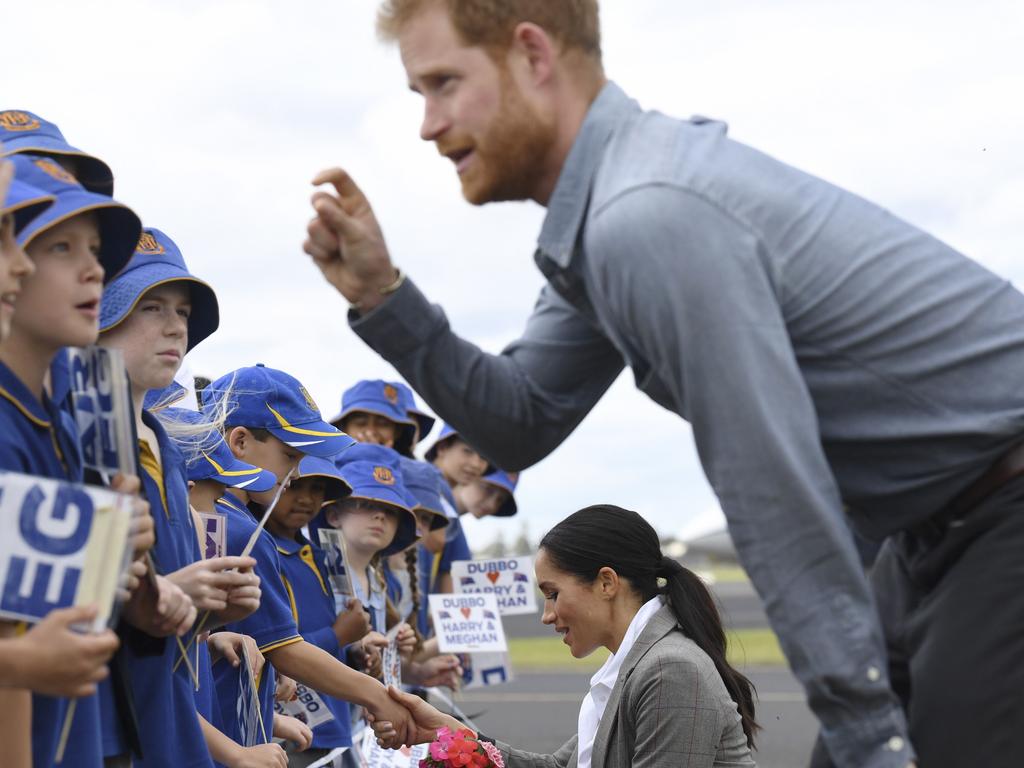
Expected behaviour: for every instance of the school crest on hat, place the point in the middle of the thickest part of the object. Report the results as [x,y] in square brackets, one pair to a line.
[309,399]
[383,475]
[149,246]
[391,394]
[13,120]
[55,170]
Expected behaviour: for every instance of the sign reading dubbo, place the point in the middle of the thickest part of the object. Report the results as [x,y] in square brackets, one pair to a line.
[64,544]
[511,580]
[467,623]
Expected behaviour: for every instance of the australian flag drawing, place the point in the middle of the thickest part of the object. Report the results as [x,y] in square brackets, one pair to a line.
[444,615]
[520,577]
[467,581]
[489,615]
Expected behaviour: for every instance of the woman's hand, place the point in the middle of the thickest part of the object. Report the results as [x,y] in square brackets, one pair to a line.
[293,730]
[424,726]
[229,645]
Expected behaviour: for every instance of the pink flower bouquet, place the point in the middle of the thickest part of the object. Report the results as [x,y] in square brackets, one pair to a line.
[461,749]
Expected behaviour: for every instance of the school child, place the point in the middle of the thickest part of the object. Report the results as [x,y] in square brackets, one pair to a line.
[308,585]
[491,495]
[19,204]
[23,132]
[272,423]
[407,402]
[371,412]
[155,311]
[72,244]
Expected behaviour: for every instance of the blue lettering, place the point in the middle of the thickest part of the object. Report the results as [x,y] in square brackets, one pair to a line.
[67,497]
[35,602]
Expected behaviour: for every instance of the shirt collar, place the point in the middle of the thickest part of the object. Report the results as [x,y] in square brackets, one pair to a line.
[290,546]
[568,203]
[609,671]
[12,388]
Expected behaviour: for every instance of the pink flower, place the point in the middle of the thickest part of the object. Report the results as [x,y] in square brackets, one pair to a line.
[444,736]
[438,751]
[493,753]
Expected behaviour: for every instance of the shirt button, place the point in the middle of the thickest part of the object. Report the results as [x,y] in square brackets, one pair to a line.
[895,744]
[874,675]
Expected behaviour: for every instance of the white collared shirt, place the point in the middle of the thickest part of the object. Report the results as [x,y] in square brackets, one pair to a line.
[601,684]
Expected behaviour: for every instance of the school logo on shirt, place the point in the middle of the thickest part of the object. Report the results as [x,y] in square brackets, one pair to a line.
[309,400]
[55,170]
[148,246]
[383,475]
[391,394]
[18,121]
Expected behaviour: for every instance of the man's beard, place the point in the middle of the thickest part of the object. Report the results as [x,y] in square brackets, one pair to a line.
[510,157]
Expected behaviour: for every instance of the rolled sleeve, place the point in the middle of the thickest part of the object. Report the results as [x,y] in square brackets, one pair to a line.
[689,287]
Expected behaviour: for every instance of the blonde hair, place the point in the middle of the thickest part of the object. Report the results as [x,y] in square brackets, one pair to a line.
[203,436]
[490,24]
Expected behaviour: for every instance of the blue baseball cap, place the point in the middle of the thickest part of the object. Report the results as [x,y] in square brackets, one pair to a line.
[374,473]
[314,466]
[25,132]
[162,398]
[119,227]
[208,457]
[383,399]
[407,401]
[506,481]
[24,202]
[265,398]
[157,261]
[422,484]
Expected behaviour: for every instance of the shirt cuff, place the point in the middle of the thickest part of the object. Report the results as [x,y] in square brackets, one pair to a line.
[881,742]
[400,325]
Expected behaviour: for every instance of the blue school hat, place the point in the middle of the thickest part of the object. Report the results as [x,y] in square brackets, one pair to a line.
[25,132]
[374,474]
[383,399]
[422,484]
[156,261]
[24,202]
[407,401]
[265,398]
[314,466]
[168,396]
[119,226]
[448,432]
[506,481]
[208,457]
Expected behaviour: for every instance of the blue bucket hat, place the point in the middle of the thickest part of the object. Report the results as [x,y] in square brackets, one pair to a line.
[25,132]
[407,401]
[313,466]
[374,474]
[119,226]
[265,398]
[422,484]
[448,432]
[24,202]
[208,457]
[383,399]
[506,481]
[157,261]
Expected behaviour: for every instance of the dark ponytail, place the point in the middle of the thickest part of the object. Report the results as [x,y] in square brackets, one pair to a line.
[608,536]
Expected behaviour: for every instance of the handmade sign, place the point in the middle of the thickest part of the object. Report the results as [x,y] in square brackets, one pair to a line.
[214,532]
[101,396]
[467,623]
[391,661]
[333,545]
[372,755]
[65,545]
[480,670]
[307,706]
[247,708]
[511,580]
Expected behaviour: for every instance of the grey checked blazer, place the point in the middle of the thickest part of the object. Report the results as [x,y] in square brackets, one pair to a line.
[669,707]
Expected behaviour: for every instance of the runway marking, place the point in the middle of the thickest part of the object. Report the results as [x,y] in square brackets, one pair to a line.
[517,697]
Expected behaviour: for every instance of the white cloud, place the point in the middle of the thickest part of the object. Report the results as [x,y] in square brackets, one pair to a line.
[215,114]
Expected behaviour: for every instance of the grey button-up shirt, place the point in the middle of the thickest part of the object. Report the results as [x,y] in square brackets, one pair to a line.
[825,352]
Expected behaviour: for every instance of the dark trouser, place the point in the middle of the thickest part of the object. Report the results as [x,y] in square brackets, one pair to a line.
[952,608]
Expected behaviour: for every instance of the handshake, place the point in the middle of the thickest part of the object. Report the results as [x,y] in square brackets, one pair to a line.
[408,719]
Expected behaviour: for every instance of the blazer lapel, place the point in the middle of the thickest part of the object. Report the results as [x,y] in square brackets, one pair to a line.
[663,622]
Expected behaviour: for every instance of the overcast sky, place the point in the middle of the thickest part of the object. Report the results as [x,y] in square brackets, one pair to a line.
[215,116]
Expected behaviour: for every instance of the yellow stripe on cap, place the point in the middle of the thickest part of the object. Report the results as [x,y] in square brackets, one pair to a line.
[298,430]
[231,473]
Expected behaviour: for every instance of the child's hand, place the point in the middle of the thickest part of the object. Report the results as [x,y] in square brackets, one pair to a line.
[438,671]
[208,582]
[295,731]
[285,689]
[352,623]
[260,756]
[165,611]
[371,645]
[228,646]
[406,641]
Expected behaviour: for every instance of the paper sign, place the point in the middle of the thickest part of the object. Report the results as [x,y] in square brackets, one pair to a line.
[333,545]
[214,532]
[467,623]
[103,409]
[371,755]
[64,544]
[307,706]
[391,661]
[247,708]
[511,580]
[480,670]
